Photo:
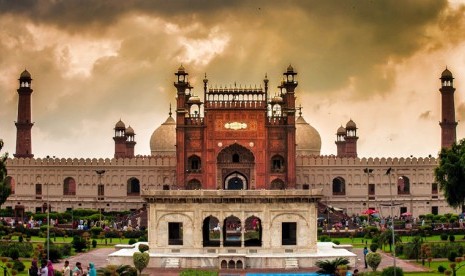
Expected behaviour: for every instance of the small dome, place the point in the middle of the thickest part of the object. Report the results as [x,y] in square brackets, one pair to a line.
[290,68]
[308,139]
[130,131]
[194,100]
[181,69]
[25,75]
[120,125]
[277,100]
[446,74]
[341,131]
[163,139]
[351,125]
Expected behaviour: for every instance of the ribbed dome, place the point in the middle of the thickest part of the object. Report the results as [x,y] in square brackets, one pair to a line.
[446,74]
[308,139]
[25,75]
[120,125]
[130,131]
[290,68]
[277,100]
[351,125]
[341,131]
[193,100]
[163,139]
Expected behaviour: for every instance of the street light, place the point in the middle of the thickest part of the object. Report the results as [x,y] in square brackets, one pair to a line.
[368,173]
[100,174]
[388,173]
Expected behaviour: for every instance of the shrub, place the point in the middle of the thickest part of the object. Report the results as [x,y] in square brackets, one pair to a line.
[399,249]
[18,265]
[389,271]
[96,231]
[13,253]
[143,247]
[336,242]
[373,260]
[141,260]
[444,237]
[373,247]
[441,269]
[143,238]
[132,241]
[94,243]
[452,255]
[451,238]
[79,244]
[55,253]
[325,238]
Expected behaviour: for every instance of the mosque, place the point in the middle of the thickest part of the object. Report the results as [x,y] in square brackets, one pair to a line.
[231,171]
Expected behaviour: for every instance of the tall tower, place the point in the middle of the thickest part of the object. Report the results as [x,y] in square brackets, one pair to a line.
[120,140]
[351,139]
[340,141]
[130,142]
[24,124]
[289,109]
[448,123]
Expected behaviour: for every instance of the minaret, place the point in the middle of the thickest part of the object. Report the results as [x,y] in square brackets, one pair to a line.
[120,140]
[351,139]
[24,124]
[181,84]
[289,110]
[340,141]
[448,123]
[130,142]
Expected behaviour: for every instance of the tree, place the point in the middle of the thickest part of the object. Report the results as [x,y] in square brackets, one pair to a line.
[330,266]
[450,173]
[416,243]
[386,238]
[373,260]
[141,260]
[5,189]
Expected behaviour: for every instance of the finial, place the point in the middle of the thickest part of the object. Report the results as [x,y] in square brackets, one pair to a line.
[170,113]
[300,110]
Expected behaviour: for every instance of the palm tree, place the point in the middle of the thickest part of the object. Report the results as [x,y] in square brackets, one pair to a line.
[416,242]
[330,266]
[386,238]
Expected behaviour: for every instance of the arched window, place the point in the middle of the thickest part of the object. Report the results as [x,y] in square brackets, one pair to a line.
[277,164]
[69,186]
[232,234]
[339,186]
[194,164]
[133,186]
[193,184]
[211,230]
[403,185]
[10,182]
[277,184]
[235,158]
[253,228]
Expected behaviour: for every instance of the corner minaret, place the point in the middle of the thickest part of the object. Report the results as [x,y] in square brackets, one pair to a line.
[120,140]
[351,139]
[448,123]
[24,124]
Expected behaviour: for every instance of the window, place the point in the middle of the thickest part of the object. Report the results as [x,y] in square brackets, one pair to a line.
[434,210]
[371,189]
[194,184]
[101,192]
[10,182]
[166,187]
[133,186]
[277,184]
[289,233]
[69,186]
[38,191]
[339,186]
[403,210]
[175,233]
[403,185]
[277,164]
[235,158]
[194,164]
[434,188]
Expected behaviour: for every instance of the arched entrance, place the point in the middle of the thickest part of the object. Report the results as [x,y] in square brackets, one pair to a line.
[235,168]
[235,181]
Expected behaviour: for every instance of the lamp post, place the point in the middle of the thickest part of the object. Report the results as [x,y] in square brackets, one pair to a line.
[388,173]
[100,174]
[368,172]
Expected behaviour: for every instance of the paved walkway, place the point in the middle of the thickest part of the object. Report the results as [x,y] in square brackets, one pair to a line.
[99,258]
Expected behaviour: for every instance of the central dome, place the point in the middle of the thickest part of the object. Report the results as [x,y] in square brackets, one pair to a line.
[308,140]
[163,139]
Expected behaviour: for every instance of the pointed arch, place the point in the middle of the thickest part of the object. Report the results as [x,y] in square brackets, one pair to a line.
[277,184]
[211,230]
[403,185]
[69,186]
[193,184]
[133,187]
[339,186]
[232,231]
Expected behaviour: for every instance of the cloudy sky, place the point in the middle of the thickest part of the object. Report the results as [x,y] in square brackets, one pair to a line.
[94,62]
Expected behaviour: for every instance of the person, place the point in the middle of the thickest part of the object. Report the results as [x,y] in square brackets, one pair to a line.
[50,271]
[77,271]
[355,272]
[92,270]
[34,269]
[365,252]
[66,269]
[43,269]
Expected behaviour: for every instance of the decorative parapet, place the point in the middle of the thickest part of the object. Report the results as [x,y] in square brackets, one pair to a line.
[232,196]
[331,160]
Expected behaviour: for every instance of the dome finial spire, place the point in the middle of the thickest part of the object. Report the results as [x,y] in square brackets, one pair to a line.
[170,113]
[300,110]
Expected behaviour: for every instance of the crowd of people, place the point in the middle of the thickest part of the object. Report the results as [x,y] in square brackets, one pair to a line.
[46,269]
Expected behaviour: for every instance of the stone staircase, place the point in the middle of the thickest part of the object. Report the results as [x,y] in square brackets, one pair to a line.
[291,263]
[172,263]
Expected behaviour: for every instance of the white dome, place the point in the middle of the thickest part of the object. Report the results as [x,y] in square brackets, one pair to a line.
[308,140]
[163,139]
